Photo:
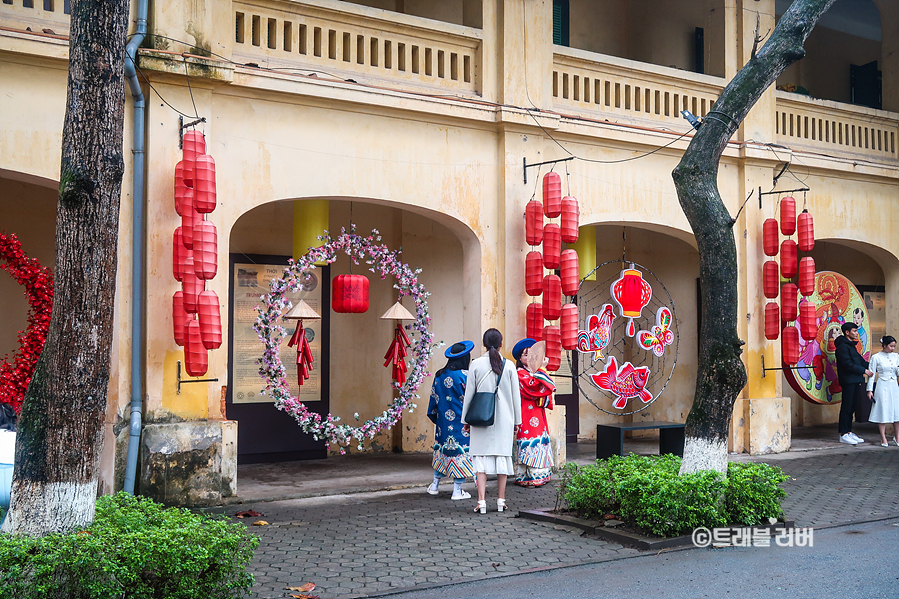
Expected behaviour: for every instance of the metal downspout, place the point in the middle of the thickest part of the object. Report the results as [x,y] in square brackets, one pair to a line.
[137,256]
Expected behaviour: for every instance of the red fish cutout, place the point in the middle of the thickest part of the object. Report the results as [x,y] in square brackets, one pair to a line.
[625,383]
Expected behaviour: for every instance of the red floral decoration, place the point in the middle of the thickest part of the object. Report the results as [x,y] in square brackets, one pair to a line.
[38,283]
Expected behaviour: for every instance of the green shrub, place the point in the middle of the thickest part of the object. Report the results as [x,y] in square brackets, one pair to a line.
[753,493]
[135,549]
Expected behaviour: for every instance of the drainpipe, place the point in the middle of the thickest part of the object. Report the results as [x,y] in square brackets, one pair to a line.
[137,246]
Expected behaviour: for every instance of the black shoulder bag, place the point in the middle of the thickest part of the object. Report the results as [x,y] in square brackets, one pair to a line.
[482,409]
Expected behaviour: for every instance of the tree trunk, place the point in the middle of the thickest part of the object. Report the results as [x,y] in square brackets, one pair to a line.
[60,436]
[721,374]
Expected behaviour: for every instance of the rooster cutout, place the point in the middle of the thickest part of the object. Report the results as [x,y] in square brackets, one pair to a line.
[625,383]
[598,334]
[660,335]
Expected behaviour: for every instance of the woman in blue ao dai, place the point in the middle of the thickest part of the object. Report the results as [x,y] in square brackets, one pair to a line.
[451,456]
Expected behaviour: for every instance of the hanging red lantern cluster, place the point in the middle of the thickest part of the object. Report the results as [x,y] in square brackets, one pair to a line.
[196,312]
[349,294]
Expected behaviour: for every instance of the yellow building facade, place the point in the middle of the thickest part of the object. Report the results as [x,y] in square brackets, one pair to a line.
[417,119]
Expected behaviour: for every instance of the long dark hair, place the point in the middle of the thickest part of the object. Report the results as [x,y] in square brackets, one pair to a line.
[493,340]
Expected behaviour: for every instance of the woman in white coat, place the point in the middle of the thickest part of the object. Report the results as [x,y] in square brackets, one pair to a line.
[491,446]
[885,365]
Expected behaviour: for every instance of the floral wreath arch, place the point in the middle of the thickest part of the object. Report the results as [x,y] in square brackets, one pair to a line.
[381,260]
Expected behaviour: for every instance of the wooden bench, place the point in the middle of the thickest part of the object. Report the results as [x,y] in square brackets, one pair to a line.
[610,437]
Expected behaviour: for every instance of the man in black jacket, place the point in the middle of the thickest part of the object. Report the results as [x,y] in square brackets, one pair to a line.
[851,370]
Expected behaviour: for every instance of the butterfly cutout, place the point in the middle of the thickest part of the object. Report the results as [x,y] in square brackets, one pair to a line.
[660,335]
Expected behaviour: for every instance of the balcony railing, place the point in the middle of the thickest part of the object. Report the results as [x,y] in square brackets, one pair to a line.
[835,128]
[330,36]
[40,16]
[587,83]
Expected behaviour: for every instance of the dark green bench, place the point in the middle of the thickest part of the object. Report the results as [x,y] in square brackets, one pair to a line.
[610,437]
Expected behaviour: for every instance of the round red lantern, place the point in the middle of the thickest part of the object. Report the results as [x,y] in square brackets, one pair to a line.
[553,337]
[205,250]
[552,297]
[192,144]
[569,272]
[349,294]
[533,222]
[204,184]
[771,279]
[534,320]
[772,321]
[788,216]
[179,318]
[210,319]
[179,255]
[196,360]
[191,285]
[533,273]
[807,276]
[570,219]
[552,195]
[808,320]
[552,246]
[789,295]
[788,259]
[568,325]
[790,345]
[806,232]
[770,237]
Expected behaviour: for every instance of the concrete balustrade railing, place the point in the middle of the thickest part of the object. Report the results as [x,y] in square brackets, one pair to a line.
[40,16]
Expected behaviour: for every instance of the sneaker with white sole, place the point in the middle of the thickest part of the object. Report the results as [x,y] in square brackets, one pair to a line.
[461,495]
[856,437]
[847,438]
[432,488]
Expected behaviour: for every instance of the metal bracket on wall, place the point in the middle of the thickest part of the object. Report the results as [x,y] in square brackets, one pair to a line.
[527,166]
[781,368]
[182,127]
[185,381]
[778,192]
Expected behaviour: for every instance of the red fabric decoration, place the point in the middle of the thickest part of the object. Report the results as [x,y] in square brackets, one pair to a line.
[349,294]
[569,326]
[533,273]
[788,216]
[770,237]
[205,250]
[790,345]
[788,259]
[209,314]
[191,285]
[304,352]
[196,360]
[204,184]
[788,297]
[772,321]
[553,337]
[552,195]
[179,255]
[807,276]
[534,319]
[570,272]
[552,297]
[552,246]
[179,319]
[533,222]
[182,190]
[771,279]
[396,354]
[808,321]
[192,144]
[806,232]
[632,293]
[570,219]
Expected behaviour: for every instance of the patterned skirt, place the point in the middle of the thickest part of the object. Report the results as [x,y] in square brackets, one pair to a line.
[452,460]
[535,461]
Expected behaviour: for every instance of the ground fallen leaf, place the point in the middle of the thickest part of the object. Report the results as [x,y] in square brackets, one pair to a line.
[305,596]
[303,588]
[248,514]
[260,523]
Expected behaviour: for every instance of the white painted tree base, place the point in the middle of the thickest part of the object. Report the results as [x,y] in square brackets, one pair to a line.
[40,509]
[704,454]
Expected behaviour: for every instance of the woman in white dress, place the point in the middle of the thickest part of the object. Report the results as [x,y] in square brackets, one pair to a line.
[885,365]
[491,446]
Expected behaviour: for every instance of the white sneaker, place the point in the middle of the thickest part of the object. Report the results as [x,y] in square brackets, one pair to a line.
[461,495]
[847,438]
[432,488]
[857,438]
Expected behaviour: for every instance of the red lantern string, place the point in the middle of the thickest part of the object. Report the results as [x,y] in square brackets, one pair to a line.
[790,345]
[788,216]
[196,359]
[788,297]
[304,352]
[210,318]
[396,354]
[770,237]
[552,297]
[772,321]
[534,320]
[569,272]
[533,274]
[533,222]
[806,232]
[552,195]
[570,218]
[552,246]
[569,326]
[553,337]
[771,279]
[807,275]
[788,259]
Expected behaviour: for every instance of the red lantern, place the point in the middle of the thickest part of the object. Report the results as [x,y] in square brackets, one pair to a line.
[570,272]
[790,345]
[807,275]
[552,297]
[552,246]
[552,195]
[788,259]
[570,219]
[534,318]
[179,255]
[533,222]
[181,190]
[788,297]
[806,232]
[769,237]
[196,360]
[349,294]
[210,319]
[189,218]
[204,184]
[771,279]
[631,293]
[553,337]
[788,216]
[808,320]
[191,285]
[533,273]
[569,327]
[192,145]
[179,318]
[205,250]
[772,321]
